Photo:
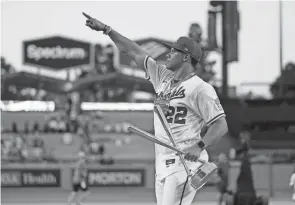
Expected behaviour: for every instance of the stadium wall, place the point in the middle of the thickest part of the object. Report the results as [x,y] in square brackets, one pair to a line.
[271,177]
[140,175]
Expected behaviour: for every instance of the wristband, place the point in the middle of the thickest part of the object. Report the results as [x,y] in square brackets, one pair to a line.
[107,30]
[201,144]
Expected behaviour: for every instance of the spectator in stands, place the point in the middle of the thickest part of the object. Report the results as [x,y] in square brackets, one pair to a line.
[14,127]
[222,183]
[101,149]
[26,128]
[245,140]
[52,125]
[62,125]
[4,149]
[195,32]
[204,68]
[36,127]
[21,145]
[85,148]
[68,106]
[246,193]
[57,124]
[96,149]
[19,142]
[38,141]
[12,148]
[38,148]
[82,134]
[6,68]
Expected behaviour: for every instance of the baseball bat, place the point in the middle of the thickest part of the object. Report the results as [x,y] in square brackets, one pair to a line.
[166,127]
[151,138]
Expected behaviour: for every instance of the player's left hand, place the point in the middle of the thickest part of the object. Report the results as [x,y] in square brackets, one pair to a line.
[93,23]
[192,153]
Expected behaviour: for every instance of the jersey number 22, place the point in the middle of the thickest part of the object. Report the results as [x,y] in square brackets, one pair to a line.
[176,115]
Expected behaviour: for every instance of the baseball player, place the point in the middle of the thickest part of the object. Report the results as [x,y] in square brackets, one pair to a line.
[189,103]
[79,181]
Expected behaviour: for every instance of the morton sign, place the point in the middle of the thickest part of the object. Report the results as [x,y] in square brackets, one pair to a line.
[56,52]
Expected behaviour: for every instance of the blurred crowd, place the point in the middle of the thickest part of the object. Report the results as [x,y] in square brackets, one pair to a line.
[59,139]
[19,147]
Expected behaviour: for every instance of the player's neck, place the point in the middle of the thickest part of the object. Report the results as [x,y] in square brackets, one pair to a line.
[183,72]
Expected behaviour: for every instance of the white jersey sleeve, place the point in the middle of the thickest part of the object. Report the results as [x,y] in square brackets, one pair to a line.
[207,104]
[157,73]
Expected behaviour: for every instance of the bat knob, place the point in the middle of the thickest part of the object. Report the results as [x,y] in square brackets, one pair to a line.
[129,128]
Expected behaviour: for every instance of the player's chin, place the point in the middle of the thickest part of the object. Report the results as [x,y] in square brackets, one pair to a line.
[170,66]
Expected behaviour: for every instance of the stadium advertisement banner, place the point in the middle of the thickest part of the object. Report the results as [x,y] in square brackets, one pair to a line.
[116,178]
[30,178]
[56,52]
[11,178]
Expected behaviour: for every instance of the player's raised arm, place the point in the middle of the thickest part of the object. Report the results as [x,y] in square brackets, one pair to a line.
[156,73]
[124,44]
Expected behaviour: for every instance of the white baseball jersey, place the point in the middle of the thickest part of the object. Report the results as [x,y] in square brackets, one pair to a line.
[192,104]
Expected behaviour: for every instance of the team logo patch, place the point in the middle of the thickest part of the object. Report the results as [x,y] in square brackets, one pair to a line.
[218,104]
[169,162]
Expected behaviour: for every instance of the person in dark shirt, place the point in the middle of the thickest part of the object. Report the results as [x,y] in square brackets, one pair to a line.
[79,179]
[222,183]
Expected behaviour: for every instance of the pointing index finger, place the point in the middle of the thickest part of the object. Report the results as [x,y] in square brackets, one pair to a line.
[86,15]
